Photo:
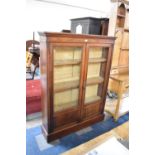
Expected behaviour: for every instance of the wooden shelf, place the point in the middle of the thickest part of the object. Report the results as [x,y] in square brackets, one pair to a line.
[121,29]
[120,15]
[120,77]
[67,85]
[123,66]
[60,107]
[94,80]
[97,60]
[92,99]
[125,49]
[61,86]
[66,62]
[126,29]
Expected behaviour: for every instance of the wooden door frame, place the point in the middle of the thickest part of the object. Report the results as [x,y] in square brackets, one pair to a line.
[51,78]
[106,76]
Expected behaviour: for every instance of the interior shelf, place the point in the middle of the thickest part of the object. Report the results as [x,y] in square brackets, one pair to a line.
[92,99]
[66,85]
[67,105]
[124,49]
[72,62]
[94,80]
[66,62]
[97,60]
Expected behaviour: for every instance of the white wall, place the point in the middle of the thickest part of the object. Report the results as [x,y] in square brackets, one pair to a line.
[45,16]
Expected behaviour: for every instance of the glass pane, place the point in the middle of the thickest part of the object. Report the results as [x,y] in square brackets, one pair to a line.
[97,52]
[95,74]
[92,94]
[66,99]
[67,66]
[93,70]
[67,53]
[66,73]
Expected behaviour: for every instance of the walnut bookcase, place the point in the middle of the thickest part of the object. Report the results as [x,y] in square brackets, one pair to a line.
[74,77]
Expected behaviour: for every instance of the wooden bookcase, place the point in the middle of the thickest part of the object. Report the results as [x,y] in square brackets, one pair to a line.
[119,76]
[119,27]
[74,77]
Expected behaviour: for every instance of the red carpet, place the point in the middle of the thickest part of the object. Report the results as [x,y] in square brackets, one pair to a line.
[33,96]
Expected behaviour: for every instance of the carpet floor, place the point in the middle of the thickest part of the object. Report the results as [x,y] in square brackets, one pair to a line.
[36,143]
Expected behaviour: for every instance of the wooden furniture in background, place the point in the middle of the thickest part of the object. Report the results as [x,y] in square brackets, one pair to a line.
[32,58]
[119,84]
[119,75]
[74,77]
[104,26]
[119,27]
[120,132]
[31,43]
[35,51]
[28,59]
[66,31]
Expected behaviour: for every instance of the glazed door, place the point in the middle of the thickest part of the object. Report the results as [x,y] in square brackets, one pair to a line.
[95,78]
[67,80]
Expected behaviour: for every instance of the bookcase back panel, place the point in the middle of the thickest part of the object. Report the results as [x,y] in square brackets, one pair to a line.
[94,70]
[95,52]
[66,99]
[67,53]
[92,94]
[66,73]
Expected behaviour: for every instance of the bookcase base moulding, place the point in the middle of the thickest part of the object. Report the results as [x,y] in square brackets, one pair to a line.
[71,128]
[74,77]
